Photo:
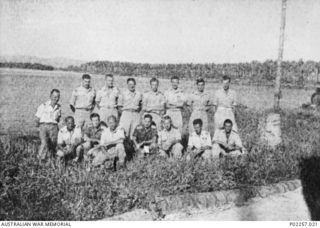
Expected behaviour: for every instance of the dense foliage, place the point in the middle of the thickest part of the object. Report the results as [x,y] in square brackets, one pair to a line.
[33,191]
[34,66]
[297,73]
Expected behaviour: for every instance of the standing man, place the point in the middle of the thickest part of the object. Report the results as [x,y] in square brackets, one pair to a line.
[107,99]
[130,102]
[154,103]
[145,137]
[92,133]
[48,116]
[69,141]
[200,102]
[111,145]
[170,139]
[82,101]
[175,99]
[225,103]
[226,141]
[199,144]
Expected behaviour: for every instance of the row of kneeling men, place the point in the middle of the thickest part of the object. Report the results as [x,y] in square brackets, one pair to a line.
[99,143]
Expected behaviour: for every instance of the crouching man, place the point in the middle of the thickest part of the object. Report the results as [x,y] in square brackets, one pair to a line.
[111,145]
[227,142]
[199,144]
[92,133]
[170,139]
[145,137]
[69,141]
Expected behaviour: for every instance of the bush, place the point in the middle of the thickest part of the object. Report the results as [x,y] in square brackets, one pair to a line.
[30,191]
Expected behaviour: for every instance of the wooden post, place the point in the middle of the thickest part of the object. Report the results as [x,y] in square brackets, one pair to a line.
[277,91]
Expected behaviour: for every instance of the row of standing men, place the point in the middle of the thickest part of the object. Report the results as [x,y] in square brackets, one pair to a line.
[164,110]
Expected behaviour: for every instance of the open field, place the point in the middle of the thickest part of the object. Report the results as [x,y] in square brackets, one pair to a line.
[22,91]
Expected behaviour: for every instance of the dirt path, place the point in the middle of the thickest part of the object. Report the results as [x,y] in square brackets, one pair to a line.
[286,206]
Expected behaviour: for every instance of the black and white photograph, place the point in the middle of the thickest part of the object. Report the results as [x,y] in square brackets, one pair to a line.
[159,110]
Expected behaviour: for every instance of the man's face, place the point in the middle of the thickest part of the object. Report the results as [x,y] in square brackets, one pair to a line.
[147,122]
[70,124]
[95,122]
[54,97]
[167,125]
[200,87]
[175,83]
[197,128]
[131,86]
[154,86]
[109,82]
[86,83]
[112,124]
[226,84]
[228,127]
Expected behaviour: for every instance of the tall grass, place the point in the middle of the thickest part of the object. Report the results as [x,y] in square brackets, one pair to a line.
[33,191]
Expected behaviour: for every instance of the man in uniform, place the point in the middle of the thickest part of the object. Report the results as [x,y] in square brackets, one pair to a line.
[175,100]
[225,103]
[82,101]
[111,145]
[199,144]
[200,103]
[48,116]
[226,141]
[130,102]
[154,103]
[92,133]
[145,137]
[69,141]
[107,99]
[170,139]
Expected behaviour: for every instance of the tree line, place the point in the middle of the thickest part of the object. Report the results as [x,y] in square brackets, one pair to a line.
[34,66]
[294,72]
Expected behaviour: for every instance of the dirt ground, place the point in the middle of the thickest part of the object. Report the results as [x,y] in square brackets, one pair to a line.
[280,207]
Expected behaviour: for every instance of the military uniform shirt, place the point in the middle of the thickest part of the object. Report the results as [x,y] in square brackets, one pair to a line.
[234,138]
[108,136]
[92,132]
[130,100]
[199,100]
[153,101]
[225,99]
[48,114]
[108,97]
[143,134]
[165,136]
[175,97]
[69,137]
[83,98]
[202,140]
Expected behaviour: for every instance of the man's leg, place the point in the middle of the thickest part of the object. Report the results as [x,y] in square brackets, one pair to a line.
[121,154]
[216,151]
[53,138]
[163,153]
[135,121]
[208,155]
[125,122]
[157,120]
[176,150]
[43,134]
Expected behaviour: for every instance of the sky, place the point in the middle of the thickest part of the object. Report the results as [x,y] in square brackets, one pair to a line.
[159,31]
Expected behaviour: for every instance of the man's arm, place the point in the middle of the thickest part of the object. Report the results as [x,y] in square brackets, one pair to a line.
[73,101]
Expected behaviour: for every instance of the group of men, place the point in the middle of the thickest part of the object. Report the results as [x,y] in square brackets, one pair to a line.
[152,121]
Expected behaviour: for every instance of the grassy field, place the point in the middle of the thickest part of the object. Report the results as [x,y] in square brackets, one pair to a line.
[31,191]
[22,91]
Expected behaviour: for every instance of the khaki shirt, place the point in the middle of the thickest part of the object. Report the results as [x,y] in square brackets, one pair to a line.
[199,101]
[225,99]
[83,98]
[108,97]
[130,100]
[108,136]
[48,114]
[92,132]
[167,136]
[175,98]
[202,140]
[153,101]
[69,138]
[234,138]
[143,134]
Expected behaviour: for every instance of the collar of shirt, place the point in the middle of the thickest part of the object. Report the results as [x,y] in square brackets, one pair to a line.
[155,93]
[176,90]
[106,88]
[65,130]
[48,103]
[132,93]
[85,89]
